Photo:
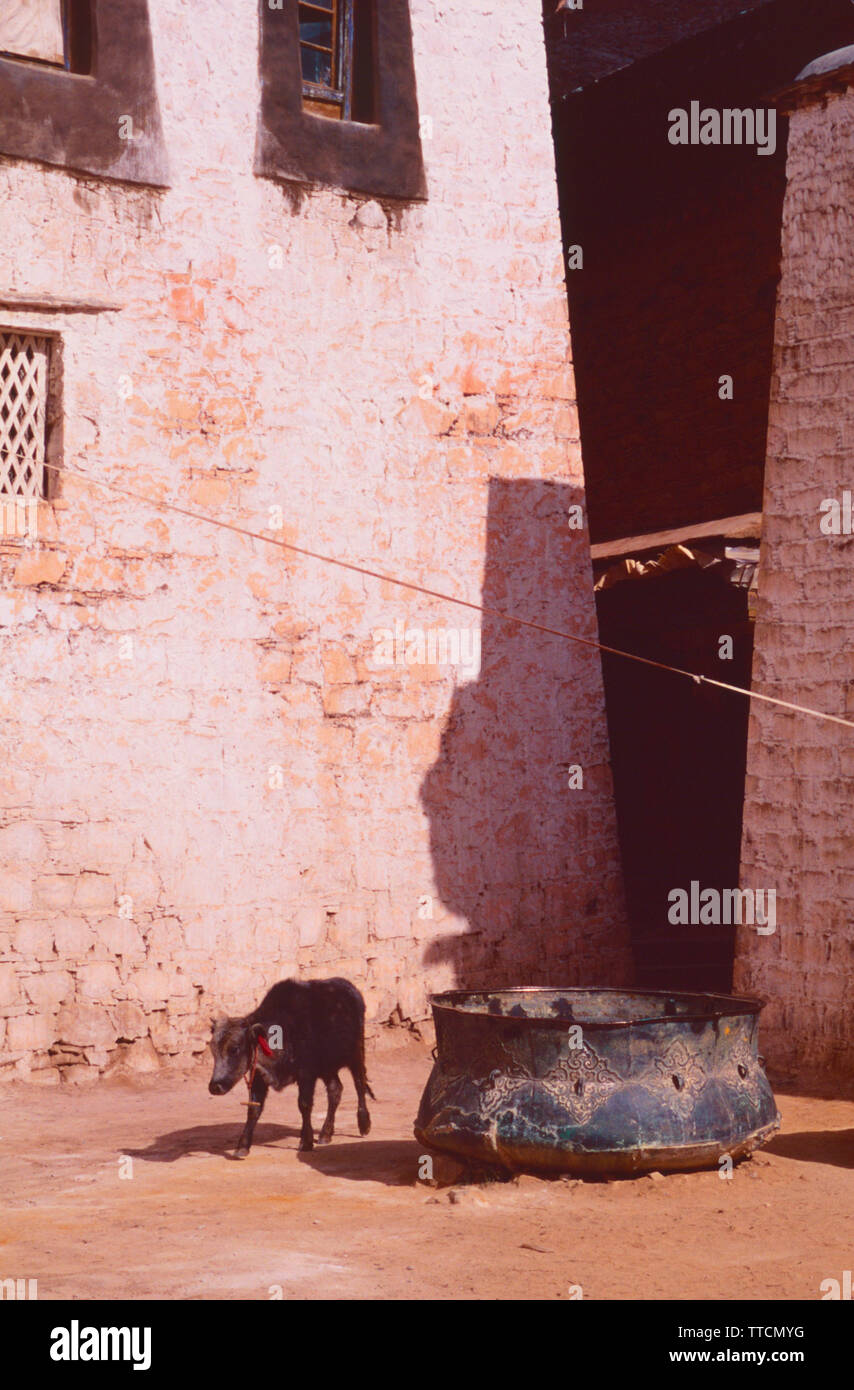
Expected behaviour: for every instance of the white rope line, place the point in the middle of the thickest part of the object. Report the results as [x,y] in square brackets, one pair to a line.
[445,598]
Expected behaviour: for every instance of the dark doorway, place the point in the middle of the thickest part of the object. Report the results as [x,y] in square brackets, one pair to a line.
[678,755]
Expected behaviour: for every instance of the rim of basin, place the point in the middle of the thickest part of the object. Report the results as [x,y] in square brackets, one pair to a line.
[702,1007]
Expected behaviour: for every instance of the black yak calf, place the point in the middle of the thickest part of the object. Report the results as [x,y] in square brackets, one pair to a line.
[300,1031]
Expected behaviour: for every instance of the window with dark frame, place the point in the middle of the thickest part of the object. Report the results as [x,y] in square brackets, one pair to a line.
[336,58]
[52,33]
[306,73]
[68,70]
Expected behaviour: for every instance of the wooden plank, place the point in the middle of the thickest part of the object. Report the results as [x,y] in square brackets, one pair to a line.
[322,108]
[56,304]
[747,526]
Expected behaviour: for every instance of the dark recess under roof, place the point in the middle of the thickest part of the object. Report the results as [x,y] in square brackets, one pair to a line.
[606,35]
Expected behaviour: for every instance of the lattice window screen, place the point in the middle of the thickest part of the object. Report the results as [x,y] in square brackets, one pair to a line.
[24,362]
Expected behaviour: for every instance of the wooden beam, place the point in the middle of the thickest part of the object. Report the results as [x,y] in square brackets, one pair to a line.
[55,304]
[748,526]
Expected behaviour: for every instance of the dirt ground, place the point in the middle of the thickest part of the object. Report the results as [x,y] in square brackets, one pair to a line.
[351,1220]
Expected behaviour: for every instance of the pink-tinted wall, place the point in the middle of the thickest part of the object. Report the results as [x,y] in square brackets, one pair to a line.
[798,836]
[211,776]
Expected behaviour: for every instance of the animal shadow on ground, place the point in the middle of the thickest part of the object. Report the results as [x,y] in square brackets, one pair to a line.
[393,1162]
[212,1139]
[833,1146]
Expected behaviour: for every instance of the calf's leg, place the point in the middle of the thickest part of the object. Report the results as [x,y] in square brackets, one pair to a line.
[333,1094]
[360,1081]
[256,1104]
[306,1100]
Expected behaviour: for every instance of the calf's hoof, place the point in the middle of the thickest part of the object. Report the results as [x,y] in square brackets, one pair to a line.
[364,1124]
[305,1146]
[241,1153]
[324,1138]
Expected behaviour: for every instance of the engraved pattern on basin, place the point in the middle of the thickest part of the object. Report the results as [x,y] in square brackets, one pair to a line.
[583,1068]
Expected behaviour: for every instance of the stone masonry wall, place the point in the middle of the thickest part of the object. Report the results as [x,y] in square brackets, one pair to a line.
[207,781]
[798,812]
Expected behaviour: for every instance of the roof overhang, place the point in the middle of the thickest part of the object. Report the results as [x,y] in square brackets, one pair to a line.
[588,44]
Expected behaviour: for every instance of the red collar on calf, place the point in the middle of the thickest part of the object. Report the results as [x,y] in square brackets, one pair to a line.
[261,1042]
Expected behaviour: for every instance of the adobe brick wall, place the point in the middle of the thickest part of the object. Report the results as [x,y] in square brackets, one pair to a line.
[236,794]
[797,819]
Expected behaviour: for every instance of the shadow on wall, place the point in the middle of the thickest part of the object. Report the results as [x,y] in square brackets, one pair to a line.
[530,863]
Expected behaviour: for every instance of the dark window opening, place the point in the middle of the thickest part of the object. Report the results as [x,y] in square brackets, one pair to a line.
[336,57]
[79,36]
[50,33]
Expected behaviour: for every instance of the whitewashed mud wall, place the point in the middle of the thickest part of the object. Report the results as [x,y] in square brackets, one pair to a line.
[211,775]
[799,810]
